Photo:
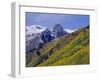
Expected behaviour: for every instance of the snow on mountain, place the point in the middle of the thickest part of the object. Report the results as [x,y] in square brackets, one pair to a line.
[70,30]
[33,31]
[33,36]
[36,35]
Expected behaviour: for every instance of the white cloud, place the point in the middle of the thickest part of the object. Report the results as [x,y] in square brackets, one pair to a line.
[70,30]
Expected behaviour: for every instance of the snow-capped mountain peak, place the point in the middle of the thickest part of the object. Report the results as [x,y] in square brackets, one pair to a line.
[35,29]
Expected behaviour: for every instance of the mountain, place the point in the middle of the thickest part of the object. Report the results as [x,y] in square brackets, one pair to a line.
[46,36]
[58,31]
[33,31]
[37,35]
[33,37]
[70,49]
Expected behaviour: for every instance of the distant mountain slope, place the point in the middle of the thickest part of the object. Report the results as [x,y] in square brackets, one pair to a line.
[33,37]
[33,31]
[37,36]
[70,49]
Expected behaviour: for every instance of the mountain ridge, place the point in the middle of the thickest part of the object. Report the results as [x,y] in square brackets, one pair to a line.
[42,35]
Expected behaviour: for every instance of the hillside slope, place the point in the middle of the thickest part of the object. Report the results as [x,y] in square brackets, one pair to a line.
[71,49]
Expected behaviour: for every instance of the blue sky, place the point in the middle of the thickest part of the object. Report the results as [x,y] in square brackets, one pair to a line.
[70,21]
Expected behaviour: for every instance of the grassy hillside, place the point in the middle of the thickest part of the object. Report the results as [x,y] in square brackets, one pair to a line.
[72,49]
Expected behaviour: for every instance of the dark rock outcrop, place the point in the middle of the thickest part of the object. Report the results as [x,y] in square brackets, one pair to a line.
[46,36]
[58,30]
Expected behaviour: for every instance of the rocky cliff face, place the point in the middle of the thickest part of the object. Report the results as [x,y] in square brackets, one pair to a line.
[46,36]
[58,31]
